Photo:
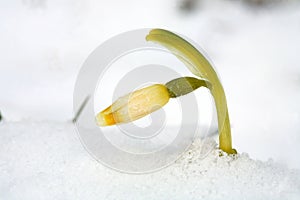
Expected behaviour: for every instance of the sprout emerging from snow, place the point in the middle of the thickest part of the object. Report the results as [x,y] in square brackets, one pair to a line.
[146,100]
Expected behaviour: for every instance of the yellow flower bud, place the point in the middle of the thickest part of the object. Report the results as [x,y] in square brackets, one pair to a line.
[134,106]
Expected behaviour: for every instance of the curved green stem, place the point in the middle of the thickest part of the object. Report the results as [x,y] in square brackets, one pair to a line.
[199,66]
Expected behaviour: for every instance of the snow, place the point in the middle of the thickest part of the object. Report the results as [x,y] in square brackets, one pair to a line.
[255,51]
[45,160]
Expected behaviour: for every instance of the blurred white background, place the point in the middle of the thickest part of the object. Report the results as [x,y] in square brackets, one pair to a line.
[254,47]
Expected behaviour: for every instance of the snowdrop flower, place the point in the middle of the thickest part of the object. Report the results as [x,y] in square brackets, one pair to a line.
[144,101]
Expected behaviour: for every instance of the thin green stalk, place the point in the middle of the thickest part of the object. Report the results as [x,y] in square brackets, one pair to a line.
[199,66]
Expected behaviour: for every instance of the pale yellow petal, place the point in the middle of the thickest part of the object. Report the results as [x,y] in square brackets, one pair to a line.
[134,106]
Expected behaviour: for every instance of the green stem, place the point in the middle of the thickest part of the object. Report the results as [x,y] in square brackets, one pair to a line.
[199,66]
[184,85]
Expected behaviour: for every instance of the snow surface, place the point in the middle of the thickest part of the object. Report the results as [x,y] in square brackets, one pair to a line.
[47,161]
